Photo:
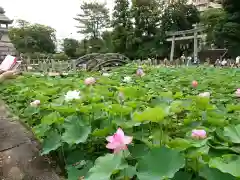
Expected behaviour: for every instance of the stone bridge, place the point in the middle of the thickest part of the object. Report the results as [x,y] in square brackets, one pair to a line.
[98,61]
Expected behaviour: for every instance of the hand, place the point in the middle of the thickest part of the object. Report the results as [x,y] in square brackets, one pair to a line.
[8,75]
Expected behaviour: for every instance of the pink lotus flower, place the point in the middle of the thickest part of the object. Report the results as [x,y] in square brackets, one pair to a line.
[194,84]
[199,134]
[90,81]
[140,72]
[238,92]
[35,103]
[118,141]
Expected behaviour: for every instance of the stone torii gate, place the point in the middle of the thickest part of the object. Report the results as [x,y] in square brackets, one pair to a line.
[181,35]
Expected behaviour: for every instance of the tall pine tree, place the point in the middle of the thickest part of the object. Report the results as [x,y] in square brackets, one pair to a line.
[146,15]
[122,27]
[93,19]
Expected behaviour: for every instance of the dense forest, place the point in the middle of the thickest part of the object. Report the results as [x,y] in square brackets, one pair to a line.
[136,29]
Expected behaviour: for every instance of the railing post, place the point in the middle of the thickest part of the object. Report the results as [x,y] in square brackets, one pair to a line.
[53,65]
[28,62]
[61,66]
[45,67]
[172,49]
[40,66]
[74,65]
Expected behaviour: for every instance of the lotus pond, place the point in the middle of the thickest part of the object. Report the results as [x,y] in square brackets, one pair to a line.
[126,127]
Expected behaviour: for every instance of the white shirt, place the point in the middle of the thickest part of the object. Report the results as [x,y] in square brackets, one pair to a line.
[224,62]
[237,60]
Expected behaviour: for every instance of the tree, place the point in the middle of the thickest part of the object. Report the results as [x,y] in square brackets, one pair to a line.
[138,31]
[108,42]
[92,45]
[211,19]
[227,32]
[93,19]
[60,56]
[122,26]
[70,47]
[82,48]
[147,20]
[179,16]
[29,38]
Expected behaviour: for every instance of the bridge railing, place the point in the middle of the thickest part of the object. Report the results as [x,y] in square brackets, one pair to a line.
[90,62]
[48,65]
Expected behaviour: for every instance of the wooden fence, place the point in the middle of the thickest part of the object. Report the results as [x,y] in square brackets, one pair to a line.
[48,65]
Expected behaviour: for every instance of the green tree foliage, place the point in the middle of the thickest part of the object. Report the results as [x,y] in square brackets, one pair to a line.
[138,28]
[211,19]
[70,47]
[95,45]
[60,56]
[93,19]
[107,38]
[122,26]
[146,16]
[227,32]
[179,16]
[30,38]
[82,48]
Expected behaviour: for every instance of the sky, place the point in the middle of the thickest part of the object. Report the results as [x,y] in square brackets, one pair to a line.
[58,14]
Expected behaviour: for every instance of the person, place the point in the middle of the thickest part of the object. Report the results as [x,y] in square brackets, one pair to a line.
[177,62]
[224,62]
[183,58]
[165,61]
[208,61]
[189,60]
[212,46]
[217,63]
[237,60]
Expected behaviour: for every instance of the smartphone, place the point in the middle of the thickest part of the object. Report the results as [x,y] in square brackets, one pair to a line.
[16,65]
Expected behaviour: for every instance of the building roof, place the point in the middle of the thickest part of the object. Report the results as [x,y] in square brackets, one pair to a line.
[203,5]
[4,19]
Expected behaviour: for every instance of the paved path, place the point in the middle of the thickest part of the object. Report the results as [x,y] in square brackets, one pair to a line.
[19,152]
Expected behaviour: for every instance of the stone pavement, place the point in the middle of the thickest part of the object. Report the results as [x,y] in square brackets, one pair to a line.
[19,152]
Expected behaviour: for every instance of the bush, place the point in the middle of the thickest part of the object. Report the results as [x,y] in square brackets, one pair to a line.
[60,56]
